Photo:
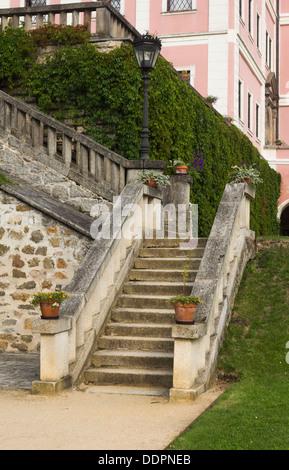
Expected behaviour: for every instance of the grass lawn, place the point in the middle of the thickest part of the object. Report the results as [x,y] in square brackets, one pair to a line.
[253,413]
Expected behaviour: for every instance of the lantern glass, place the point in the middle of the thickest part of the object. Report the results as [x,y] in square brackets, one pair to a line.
[147,51]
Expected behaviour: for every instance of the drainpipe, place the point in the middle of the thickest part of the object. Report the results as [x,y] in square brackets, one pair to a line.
[277,64]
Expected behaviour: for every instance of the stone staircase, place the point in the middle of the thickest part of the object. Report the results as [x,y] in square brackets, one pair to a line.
[136,348]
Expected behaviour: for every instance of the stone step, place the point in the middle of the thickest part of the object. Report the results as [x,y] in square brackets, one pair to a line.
[156,288]
[136,377]
[139,329]
[166,263]
[174,242]
[144,301]
[134,315]
[128,390]
[163,252]
[136,343]
[134,359]
[160,275]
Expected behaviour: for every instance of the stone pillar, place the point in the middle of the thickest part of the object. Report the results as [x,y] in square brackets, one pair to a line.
[54,355]
[188,340]
[179,190]
[134,167]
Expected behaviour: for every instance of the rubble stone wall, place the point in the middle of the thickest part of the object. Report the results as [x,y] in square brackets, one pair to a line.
[36,252]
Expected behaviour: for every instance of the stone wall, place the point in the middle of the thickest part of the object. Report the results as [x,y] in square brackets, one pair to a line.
[36,252]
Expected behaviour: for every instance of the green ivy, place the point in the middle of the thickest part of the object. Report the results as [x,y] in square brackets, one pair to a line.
[103,93]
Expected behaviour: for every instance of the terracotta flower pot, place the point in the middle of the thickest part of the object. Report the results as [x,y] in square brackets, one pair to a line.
[185,313]
[247,180]
[181,169]
[48,311]
[151,183]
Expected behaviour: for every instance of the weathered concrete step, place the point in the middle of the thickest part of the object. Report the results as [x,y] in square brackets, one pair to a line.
[166,263]
[156,288]
[136,377]
[159,275]
[134,315]
[128,390]
[134,359]
[174,242]
[136,343]
[144,301]
[139,329]
[162,252]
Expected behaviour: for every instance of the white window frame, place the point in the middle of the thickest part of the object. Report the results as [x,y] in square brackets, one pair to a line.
[241,13]
[191,69]
[174,12]
[250,111]
[251,18]
[269,50]
[258,31]
[257,120]
[240,110]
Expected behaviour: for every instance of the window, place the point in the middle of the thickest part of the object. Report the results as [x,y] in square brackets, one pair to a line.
[38,3]
[179,5]
[186,74]
[249,111]
[115,4]
[240,99]
[241,10]
[257,120]
[268,50]
[250,16]
[258,30]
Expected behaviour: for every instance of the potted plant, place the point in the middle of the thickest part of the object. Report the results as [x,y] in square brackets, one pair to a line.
[153,178]
[229,119]
[279,142]
[180,167]
[185,75]
[185,308]
[245,174]
[185,305]
[212,99]
[49,303]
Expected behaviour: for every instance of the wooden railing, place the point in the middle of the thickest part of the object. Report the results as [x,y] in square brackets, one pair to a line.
[100,18]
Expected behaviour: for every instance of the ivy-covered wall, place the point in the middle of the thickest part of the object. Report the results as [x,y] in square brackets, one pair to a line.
[102,92]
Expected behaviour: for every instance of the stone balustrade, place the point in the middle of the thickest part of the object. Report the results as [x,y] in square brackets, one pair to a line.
[70,153]
[229,247]
[66,343]
[100,18]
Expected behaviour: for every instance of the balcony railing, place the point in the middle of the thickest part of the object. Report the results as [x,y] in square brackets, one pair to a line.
[100,18]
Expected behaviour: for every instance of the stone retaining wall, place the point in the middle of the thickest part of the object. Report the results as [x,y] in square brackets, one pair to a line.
[36,252]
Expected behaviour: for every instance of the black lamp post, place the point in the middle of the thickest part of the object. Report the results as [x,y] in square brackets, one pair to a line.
[147,49]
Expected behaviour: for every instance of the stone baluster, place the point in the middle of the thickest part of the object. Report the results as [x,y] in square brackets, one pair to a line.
[67,150]
[63,18]
[51,17]
[84,160]
[39,20]
[27,22]
[87,19]
[75,18]
[51,141]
